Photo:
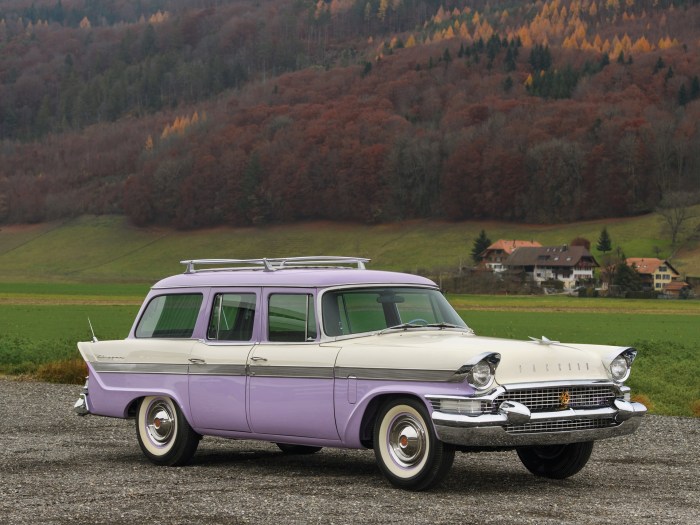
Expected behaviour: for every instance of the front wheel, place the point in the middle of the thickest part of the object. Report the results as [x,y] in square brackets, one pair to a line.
[556,461]
[164,435]
[407,449]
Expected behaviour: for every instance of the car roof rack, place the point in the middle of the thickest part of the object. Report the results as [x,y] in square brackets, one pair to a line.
[274,264]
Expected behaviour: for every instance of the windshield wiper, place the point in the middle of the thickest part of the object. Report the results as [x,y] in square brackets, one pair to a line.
[405,326]
[402,326]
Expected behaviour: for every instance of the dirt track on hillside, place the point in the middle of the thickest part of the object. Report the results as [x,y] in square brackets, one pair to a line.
[66,301]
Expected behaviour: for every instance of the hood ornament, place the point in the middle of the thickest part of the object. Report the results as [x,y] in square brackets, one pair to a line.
[544,341]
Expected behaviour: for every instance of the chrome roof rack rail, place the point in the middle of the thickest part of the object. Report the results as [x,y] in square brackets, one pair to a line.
[274,264]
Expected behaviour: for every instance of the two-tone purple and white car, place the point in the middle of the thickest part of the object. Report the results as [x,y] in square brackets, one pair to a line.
[312,352]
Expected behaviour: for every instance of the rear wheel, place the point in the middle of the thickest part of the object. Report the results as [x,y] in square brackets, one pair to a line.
[164,435]
[297,449]
[407,449]
[556,461]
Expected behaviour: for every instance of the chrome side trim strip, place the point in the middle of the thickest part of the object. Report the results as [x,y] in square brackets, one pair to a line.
[394,374]
[140,368]
[217,370]
[308,372]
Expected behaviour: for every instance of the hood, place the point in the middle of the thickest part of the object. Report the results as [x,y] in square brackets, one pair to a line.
[521,361]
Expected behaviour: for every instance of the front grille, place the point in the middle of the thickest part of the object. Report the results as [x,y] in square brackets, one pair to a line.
[557,398]
[560,426]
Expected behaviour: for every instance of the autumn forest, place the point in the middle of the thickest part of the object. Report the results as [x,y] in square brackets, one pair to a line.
[193,113]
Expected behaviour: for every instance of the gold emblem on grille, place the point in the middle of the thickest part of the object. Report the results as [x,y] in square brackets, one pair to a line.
[564,399]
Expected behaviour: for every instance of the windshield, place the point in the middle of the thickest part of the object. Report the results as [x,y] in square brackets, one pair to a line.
[358,310]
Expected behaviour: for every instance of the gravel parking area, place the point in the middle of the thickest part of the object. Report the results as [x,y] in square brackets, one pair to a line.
[56,467]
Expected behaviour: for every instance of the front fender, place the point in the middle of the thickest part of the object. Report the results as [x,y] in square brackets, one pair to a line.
[350,416]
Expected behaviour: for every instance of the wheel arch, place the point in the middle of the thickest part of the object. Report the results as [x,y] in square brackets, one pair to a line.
[369,415]
[131,409]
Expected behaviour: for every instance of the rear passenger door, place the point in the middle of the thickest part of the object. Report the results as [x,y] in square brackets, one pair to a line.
[217,369]
[291,375]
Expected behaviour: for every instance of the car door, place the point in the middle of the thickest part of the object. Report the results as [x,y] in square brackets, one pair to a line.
[291,375]
[217,370]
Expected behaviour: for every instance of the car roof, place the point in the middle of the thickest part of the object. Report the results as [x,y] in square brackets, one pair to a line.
[291,277]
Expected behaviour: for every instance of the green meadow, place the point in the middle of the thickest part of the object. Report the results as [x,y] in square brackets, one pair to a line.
[55,276]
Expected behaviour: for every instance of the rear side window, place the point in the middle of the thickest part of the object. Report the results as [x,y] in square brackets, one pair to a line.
[232,317]
[170,316]
[291,318]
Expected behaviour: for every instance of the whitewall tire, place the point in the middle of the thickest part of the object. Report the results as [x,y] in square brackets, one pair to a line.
[163,433]
[407,449]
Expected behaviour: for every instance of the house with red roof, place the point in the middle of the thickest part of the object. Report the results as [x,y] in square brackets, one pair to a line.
[572,265]
[656,274]
[494,257]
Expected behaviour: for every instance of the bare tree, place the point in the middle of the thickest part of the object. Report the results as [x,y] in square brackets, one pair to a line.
[675,208]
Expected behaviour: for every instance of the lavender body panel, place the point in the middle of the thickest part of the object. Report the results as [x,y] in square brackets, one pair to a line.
[110,394]
[309,411]
[218,402]
[301,407]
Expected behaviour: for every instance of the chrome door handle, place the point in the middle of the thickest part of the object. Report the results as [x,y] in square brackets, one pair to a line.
[196,361]
[257,358]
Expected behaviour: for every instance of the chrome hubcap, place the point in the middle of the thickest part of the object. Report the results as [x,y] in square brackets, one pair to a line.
[406,441]
[160,422]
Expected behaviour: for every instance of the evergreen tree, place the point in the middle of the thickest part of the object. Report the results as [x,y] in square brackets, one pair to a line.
[604,242]
[480,244]
[509,62]
[669,74]
[508,84]
[660,64]
[694,88]
[682,96]
[446,56]
[627,278]
[540,58]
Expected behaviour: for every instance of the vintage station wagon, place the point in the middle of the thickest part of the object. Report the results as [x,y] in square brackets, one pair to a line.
[313,352]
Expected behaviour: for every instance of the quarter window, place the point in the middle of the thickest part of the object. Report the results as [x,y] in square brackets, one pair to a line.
[170,316]
[291,318]
[232,317]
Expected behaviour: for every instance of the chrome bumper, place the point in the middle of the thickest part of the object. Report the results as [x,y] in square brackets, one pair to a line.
[497,430]
[81,405]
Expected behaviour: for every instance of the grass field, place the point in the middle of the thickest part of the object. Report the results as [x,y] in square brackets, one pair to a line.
[109,250]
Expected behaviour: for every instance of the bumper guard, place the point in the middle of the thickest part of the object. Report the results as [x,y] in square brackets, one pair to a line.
[491,430]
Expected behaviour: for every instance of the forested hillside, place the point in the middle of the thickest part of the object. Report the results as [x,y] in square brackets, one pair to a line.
[197,113]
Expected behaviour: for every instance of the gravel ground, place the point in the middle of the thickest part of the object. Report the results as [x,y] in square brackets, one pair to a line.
[56,467]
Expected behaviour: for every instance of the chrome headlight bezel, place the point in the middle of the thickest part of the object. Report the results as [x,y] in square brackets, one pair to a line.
[621,366]
[482,374]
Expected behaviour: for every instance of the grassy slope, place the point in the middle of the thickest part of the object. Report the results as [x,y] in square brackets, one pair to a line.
[108,249]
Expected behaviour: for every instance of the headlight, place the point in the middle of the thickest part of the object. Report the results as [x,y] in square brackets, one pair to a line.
[621,366]
[481,374]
